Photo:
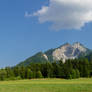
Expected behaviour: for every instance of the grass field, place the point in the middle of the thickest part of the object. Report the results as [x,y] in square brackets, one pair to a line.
[47,85]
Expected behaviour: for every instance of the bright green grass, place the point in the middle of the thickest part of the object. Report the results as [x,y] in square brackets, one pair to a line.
[47,85]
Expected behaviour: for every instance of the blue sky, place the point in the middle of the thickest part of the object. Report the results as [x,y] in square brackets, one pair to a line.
[22,37]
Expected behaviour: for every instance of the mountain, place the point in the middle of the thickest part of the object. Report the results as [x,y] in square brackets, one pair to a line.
[68,51]
[64,52]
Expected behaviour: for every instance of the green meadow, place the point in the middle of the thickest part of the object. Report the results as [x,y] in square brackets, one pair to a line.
[47,85]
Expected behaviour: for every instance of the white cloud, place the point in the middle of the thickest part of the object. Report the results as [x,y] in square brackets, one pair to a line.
[66,14]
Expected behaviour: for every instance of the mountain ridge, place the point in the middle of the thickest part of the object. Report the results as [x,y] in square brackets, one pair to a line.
[64,52]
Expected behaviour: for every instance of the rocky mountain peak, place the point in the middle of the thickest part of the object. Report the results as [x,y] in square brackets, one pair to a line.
[65,45]
[79,46]
[68,51]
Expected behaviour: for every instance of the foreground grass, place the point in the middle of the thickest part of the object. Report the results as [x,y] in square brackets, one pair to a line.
[47,85]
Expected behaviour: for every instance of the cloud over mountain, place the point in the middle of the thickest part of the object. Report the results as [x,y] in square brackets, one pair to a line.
[66,14]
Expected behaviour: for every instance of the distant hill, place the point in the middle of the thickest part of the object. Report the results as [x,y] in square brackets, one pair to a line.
[64,52]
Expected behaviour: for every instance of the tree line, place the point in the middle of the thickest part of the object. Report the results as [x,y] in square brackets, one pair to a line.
[71,69]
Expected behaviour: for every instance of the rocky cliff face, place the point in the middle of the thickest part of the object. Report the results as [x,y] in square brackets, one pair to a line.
[68,51]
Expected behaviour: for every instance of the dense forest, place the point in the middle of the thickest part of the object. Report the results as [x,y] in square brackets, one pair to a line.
[71,69]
